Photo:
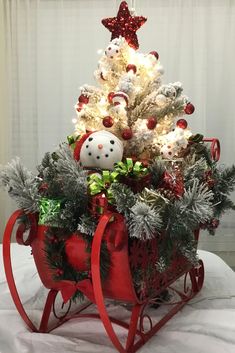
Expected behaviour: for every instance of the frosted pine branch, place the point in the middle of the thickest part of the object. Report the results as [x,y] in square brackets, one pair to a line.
[21,184]
[94,93]
[149,107]
[144,222]
[157,168]
[161,265]
[124,197]
[73,178]
[196,203]
[194,170]
[189,251]
[87,224]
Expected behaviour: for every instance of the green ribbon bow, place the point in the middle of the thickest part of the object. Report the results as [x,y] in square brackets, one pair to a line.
[72,140]
[102,183]
[129,168]
[48,210]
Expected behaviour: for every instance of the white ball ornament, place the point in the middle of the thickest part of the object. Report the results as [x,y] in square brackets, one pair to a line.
[102,150]
[160,69]
[161,100]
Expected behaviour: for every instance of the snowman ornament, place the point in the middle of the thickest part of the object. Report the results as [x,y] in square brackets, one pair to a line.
[113,49]
[101,149]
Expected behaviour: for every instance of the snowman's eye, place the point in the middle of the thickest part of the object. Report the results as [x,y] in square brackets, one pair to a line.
[89,153]
[106,155]
[90,139]
[98,157]
[111,150]
[112,142]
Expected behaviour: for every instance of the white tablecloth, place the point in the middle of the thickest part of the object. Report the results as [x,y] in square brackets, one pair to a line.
[206,324]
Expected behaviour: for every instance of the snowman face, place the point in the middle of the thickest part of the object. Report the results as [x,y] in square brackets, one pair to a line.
[112,51]
[102,149]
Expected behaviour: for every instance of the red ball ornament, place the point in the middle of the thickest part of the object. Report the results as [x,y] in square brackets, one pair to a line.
[131,67]
[151,122]
[189,109]
[79,107]
[110,97]
[127,134]
[83,99]
[154,53]
[108,121]
[182,123]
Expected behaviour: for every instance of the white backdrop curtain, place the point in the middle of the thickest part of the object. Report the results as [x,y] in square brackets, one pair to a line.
[51,48]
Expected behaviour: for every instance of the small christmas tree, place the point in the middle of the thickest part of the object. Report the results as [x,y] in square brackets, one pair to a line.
[132,103]
[131,152]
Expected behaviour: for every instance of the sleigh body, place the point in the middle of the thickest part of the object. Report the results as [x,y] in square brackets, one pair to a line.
[126,257]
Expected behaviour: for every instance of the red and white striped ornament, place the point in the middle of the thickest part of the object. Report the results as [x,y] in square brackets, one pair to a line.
[120,98]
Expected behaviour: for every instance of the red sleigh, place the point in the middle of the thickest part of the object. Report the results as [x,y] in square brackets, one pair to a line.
[126,257]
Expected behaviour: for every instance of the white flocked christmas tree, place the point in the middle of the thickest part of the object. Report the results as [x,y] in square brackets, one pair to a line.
[131,101]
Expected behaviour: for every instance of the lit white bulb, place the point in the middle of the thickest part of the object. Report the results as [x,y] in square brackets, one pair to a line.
[74,120]
[102,101]
[138,89]
[150,73]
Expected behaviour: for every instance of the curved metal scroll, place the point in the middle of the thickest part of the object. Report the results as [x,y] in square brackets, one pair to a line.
[215,148]
[7,260]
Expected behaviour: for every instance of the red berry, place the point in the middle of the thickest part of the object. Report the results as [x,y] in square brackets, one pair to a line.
[131,67]
[54,240]
[182,123]
[108,121]
[110,97]
[154,53]
[214,223]
[189,109]
[127,134]
[83,99]
[151,123]
[43,187]
[59,272]
[79,107]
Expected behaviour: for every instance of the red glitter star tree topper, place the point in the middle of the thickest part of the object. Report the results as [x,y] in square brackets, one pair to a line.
[125,25]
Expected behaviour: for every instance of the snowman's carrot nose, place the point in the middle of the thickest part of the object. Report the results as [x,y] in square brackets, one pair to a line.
[100,146]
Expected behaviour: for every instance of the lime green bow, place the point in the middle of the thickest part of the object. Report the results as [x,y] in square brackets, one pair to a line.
[102,183]
[129,168]
[72,140]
